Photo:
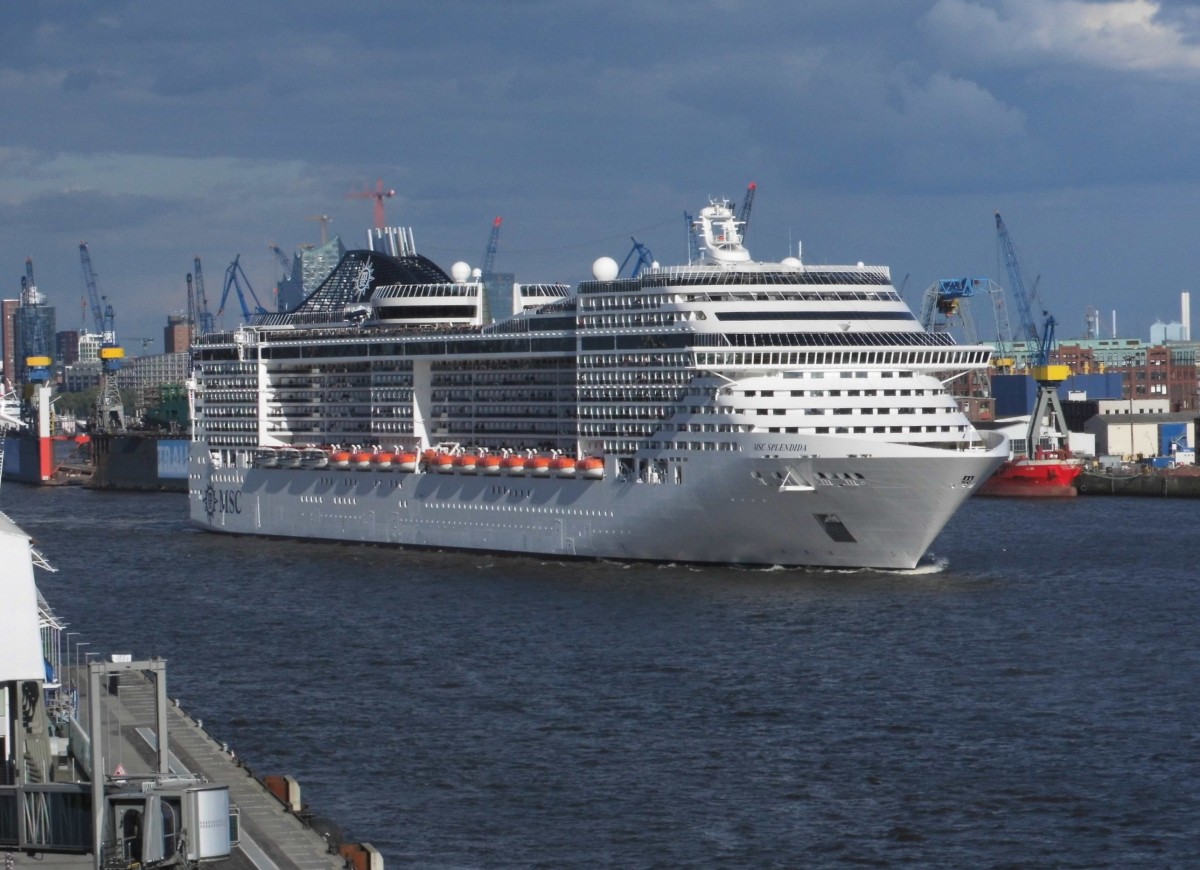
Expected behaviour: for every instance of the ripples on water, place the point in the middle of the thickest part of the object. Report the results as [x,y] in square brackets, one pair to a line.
[1027,699]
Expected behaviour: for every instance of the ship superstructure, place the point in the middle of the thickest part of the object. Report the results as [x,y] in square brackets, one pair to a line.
[728,410]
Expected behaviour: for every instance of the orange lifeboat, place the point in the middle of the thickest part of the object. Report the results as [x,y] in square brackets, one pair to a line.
[383,460]
[444,462]
[563,466]
[514,464]
[491,464]
[592,468]
[539,465]
[466,463]
[429,457]
[361,459]
[340,459]
[407,461]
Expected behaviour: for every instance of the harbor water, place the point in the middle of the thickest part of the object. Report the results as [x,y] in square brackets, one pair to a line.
[1028,699]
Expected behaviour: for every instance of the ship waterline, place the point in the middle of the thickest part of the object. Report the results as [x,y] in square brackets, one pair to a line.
[876,511]
[727,411]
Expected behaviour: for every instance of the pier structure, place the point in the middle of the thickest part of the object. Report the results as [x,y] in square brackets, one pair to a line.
[100,769]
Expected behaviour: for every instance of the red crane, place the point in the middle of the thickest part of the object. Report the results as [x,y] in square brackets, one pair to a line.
[379,194]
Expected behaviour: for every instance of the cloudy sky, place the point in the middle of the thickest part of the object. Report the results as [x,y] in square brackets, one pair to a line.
[887,131]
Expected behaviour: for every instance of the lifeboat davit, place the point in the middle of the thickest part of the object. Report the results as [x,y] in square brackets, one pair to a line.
[539,465]
[407,461]
[466,463]
[592,468]
[314,457]
[491,464]
[563,466]
[340,459]
[383,460]
[514,464]
[444,462]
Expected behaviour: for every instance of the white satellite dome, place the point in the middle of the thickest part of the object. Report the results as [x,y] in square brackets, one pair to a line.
[791,262]
[476,273]
[460,272]
[605,269]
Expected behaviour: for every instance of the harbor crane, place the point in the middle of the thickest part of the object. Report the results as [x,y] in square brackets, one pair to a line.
[204,319]
[644,258]
[284,263]
[379,194]
[1048,413]
[236,280]
[744,211]
[109,412]
[489,253]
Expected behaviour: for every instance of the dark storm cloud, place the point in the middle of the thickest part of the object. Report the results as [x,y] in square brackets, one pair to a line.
[887,130]
[83,211]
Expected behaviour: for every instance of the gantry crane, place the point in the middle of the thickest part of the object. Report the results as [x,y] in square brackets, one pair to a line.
[489,253]
[235,278]
[644,258]
[1048,413]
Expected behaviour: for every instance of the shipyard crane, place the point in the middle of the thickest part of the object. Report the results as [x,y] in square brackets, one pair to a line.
[284,262]
[109,411]
[644,259]
[489,253]
[204,318]
[1048,411]
[235,279]
[93,291]
[379,194]
[744,211]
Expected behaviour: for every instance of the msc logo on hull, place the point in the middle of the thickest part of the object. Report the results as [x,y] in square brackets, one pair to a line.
[222,501]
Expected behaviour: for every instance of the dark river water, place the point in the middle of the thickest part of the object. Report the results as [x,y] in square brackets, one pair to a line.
[1032,699]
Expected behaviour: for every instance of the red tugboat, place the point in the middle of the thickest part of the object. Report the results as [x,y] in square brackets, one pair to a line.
[1050,473]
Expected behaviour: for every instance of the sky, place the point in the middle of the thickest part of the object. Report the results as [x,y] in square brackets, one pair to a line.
[883,131]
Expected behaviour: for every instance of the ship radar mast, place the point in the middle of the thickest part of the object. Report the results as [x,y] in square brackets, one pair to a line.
[719,231]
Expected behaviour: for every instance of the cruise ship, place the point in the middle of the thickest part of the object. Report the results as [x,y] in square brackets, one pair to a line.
[725,411]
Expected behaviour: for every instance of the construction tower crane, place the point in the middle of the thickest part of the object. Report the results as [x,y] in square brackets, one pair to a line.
[489,253]
[324,220]
[644,259]
[235,278]
[379,194]
[744,211]
[1048,414]
[204,318]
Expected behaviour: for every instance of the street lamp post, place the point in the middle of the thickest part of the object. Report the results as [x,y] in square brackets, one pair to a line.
[1129,362]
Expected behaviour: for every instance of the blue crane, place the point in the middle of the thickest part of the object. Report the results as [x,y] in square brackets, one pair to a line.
[235,279]
[489,254]
[744,212]
[94,297]
[644,259]
[1042,340]
[204,317]
[1049,411]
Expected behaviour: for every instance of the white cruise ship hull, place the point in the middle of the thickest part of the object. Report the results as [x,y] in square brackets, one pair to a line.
[832,507]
